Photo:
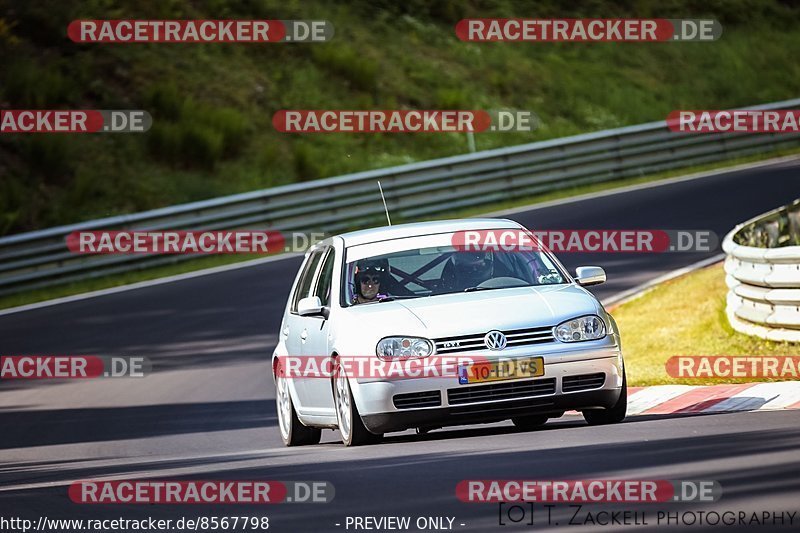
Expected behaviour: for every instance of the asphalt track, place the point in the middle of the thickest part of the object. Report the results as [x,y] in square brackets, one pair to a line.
[207,411]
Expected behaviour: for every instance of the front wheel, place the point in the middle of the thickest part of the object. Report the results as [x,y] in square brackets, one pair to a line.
[351,427]
[614,414]
[293,432]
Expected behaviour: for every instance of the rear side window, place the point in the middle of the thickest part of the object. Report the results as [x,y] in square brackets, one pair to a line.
[306,278]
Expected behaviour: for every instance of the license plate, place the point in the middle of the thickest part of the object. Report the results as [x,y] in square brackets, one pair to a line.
[501,370]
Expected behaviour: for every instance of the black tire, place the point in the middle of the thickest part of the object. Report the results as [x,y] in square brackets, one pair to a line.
[355,432]
[531,422]
[614,414]
[293,432]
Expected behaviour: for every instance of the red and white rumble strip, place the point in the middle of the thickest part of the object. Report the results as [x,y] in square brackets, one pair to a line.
[671,399]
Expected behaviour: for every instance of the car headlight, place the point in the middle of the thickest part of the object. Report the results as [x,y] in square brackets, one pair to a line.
[404,348]
[583,328]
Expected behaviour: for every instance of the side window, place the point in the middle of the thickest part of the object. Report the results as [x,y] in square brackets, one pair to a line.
[306,278]
[323,290]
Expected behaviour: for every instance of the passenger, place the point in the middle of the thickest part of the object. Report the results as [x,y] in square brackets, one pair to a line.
[368,277]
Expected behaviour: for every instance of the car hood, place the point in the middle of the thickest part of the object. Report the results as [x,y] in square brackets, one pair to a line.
[503,309]
[473,312]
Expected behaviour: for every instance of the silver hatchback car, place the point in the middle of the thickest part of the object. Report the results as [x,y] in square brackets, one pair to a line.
[495,334]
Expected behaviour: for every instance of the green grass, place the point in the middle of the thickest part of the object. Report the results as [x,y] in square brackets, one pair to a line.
[685,316]
[212,104]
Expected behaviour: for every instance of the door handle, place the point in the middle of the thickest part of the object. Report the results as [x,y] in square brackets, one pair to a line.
[285,331]
[304,335]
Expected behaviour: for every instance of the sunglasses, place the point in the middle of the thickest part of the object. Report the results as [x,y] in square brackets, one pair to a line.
[370,279]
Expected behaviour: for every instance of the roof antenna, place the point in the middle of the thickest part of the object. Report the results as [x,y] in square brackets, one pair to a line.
[384,204]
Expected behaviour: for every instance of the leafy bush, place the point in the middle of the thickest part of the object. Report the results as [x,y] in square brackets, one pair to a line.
[201,136]
[50,157]
[165,141]
[29,86]
[230,124]
[344,60]
[165,102]
[201,146]
[453,99]
[305,164]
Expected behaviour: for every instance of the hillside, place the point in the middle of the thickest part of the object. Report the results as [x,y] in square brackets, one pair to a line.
[212,103]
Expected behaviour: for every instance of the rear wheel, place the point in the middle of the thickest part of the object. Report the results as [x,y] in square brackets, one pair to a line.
[614,414]
[293,432]
[351,427]
[527,423]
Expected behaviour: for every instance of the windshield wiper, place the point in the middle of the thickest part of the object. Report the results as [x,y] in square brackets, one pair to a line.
[392,298]
[473,289]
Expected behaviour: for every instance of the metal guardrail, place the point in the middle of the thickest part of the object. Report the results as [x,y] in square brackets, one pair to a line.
[763,275]
[41,258]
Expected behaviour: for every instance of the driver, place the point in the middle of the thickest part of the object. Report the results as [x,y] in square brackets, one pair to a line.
[470,269]
[368,276]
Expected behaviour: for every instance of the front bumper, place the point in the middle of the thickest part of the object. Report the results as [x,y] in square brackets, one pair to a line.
[554,405]
[375,399]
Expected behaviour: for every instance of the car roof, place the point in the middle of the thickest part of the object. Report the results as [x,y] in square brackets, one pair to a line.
[400,231]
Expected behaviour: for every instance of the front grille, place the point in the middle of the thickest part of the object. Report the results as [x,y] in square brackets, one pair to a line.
[583,382]
[515,337]
[415,400]
[503,410]
[501,391]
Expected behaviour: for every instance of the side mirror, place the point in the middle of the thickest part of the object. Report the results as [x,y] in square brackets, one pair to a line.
[590,275]
[310,306]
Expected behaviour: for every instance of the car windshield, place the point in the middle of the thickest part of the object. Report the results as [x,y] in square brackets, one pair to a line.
[432,271]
